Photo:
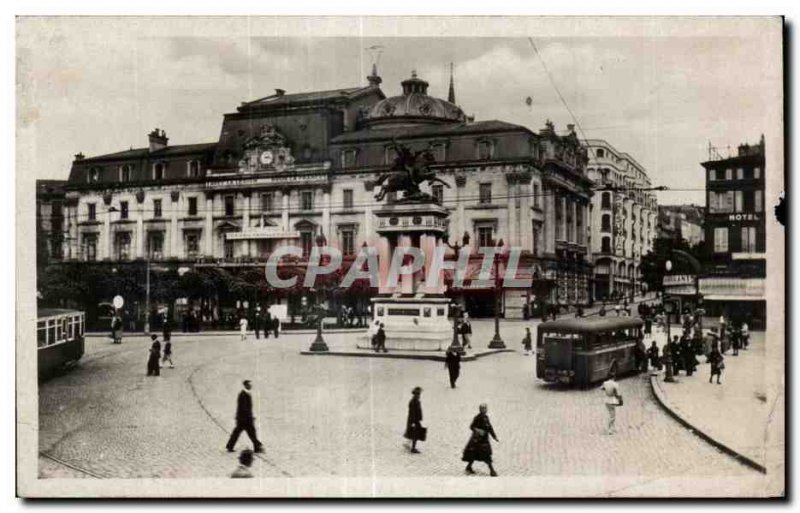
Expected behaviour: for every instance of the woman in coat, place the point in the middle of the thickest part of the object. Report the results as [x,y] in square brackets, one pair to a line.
[413,426]
[716,359]
[479,448]
[155,355]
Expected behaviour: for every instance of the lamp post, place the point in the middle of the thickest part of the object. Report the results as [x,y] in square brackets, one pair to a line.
[668,307]
[497,342]
[319,345]
[456,343]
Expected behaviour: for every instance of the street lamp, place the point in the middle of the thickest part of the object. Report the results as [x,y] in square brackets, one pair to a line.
[497,342]
[668,306]
[319,345]
[455,345]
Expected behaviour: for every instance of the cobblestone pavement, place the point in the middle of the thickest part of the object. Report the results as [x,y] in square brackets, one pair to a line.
[329,416]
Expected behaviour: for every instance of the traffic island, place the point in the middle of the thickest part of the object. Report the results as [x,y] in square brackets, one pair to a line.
[437,356]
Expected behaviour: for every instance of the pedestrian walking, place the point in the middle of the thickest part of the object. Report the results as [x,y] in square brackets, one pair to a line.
[166,328]
[244,419]
[257,323]
[414,430]
[243,327]
[380,339]
[735,341]
[168,354]
[479,448]
[640,356]
[245,462]
[466,332]
[372,333]
[687,353]
[652,354]
[116,329]
[453,363]
[648,324]
[267,324]
[745,335]
[612,400]
[527,341]
[154,356]
[717,362]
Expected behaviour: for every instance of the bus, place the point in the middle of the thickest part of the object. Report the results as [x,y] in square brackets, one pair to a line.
[582,351]
[59,339]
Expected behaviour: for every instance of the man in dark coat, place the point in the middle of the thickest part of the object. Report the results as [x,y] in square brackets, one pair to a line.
[257,323]
[267,324]
[652,353]
[244,419]
[453,363]
[380,340]
[153,358]
[479,448]
[166,328]
[413,426]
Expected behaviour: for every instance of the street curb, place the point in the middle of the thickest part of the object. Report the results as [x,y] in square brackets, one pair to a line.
[664,402]
[250,334]
[405,356]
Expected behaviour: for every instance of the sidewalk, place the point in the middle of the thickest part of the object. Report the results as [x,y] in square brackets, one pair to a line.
[735,415]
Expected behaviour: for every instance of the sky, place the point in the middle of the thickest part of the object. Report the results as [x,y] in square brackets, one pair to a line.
[94,87]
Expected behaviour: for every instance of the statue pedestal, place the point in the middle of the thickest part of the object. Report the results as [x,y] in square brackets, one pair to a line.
[412,323]
[414,314]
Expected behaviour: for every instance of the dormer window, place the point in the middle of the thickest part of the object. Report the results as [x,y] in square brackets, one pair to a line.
[348,158]
[158,171]
[485,150]
[125,173]
[601,153]
[94,175]
[193,169]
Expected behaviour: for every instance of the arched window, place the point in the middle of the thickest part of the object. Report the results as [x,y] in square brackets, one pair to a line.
[125,173]
[606,200]
[605,245]
[601,153]
[194,169]
[94,175]
[606,223]
[485,150]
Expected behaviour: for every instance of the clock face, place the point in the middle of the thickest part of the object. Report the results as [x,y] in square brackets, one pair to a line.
[266,158]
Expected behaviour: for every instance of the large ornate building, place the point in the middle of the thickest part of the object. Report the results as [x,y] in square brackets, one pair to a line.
[288,168]
[624,220]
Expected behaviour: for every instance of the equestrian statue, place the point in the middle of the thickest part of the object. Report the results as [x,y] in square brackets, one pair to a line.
[408,171]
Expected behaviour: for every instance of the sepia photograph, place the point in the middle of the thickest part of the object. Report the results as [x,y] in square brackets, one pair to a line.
[400,257]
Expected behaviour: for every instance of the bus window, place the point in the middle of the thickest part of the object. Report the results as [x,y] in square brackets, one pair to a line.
[41,334]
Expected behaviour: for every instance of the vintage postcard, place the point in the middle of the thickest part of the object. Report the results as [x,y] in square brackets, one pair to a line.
[389,257]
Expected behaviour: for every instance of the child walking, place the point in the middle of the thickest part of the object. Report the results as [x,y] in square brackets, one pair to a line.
[168,354]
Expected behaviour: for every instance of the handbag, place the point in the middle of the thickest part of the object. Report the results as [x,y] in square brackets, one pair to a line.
[421,433]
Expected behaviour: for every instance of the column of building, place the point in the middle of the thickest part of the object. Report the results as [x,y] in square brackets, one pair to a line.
[511,209]
[140,249]
[326,214]
[368,188]
[525,226]
[285,210]
[208,231]
[105,236]
[175,236]
[461,182]
[246,222]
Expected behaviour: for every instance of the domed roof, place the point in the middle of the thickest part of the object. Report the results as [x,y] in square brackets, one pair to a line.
[414,106]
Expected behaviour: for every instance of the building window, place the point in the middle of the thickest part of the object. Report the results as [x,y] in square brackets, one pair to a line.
[155,245]
[192,243]
[122,243]
[729,174]
[158,171]
[485,193]
[606,200]
[265,247]
[485,150]
[229,205]
[306,240]
[156,208]
[266,202]
[485,236]
[437,191]
[605,224]
[756,173]
[740,173]
[720,202]
[601,153]
[439,152]
[348,158]
[738,201]
[92,211]
[123,210]
[192,205]
[90,247]
[712,175]
[537,193]
[125,173]
[348,241]
[721,240]
[194,169]
[307,200]
[93,176]
[749,239]
[605,244]
[759,200]
[227,249]
[347,199]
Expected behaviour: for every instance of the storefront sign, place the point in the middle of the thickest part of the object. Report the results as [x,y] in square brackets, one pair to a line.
[266,232]
[744,217]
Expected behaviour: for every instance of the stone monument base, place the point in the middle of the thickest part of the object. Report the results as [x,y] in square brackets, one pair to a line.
[412,323]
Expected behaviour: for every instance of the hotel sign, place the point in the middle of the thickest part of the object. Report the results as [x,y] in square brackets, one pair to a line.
[744,217]
[266,232]
[680,284]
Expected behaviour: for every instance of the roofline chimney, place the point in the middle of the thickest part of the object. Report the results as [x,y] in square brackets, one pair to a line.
[158,140]
[280,92]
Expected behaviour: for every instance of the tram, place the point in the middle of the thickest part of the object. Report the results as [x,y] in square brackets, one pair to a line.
[59,339]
